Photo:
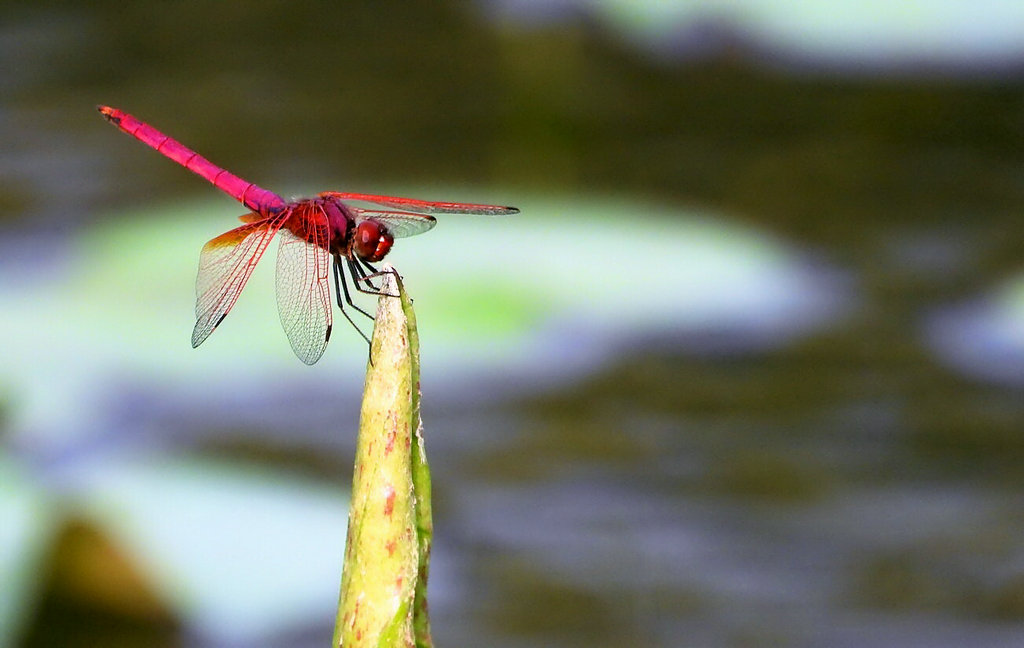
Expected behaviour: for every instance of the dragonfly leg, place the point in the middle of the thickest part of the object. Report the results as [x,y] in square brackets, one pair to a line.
[360,275]
[340,287]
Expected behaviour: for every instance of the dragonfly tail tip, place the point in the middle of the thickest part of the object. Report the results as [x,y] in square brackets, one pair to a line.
[108,113]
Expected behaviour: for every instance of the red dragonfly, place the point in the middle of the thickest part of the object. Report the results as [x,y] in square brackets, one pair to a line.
[355,229]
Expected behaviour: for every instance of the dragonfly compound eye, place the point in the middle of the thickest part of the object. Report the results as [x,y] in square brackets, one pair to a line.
[372,241]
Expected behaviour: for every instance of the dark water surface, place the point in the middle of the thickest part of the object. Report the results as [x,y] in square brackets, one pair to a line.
[846,486]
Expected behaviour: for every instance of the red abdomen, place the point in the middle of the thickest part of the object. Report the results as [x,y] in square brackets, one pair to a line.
[252,196]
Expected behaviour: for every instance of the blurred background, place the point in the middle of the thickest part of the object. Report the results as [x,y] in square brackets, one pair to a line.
[747,370]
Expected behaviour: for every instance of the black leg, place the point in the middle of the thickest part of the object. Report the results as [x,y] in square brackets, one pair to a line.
[338,284]
[360,276]
[363,277]
[339,280]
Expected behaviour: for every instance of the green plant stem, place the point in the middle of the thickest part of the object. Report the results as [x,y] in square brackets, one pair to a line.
[383,586]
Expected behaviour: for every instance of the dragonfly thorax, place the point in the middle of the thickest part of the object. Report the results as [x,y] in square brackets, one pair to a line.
[340,223]
[367,239]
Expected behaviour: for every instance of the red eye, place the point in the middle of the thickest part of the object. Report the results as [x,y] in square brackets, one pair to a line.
[371,241]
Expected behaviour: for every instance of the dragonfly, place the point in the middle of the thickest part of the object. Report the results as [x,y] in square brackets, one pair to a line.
[354,229]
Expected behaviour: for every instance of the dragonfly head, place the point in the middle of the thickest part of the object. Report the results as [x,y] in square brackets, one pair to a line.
[371,241]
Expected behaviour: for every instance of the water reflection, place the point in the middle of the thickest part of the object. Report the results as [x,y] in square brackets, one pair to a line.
[983,336]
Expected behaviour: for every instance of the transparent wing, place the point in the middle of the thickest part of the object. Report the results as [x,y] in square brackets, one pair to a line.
[303,293]
[225,265]
[401,224]
[423,206]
